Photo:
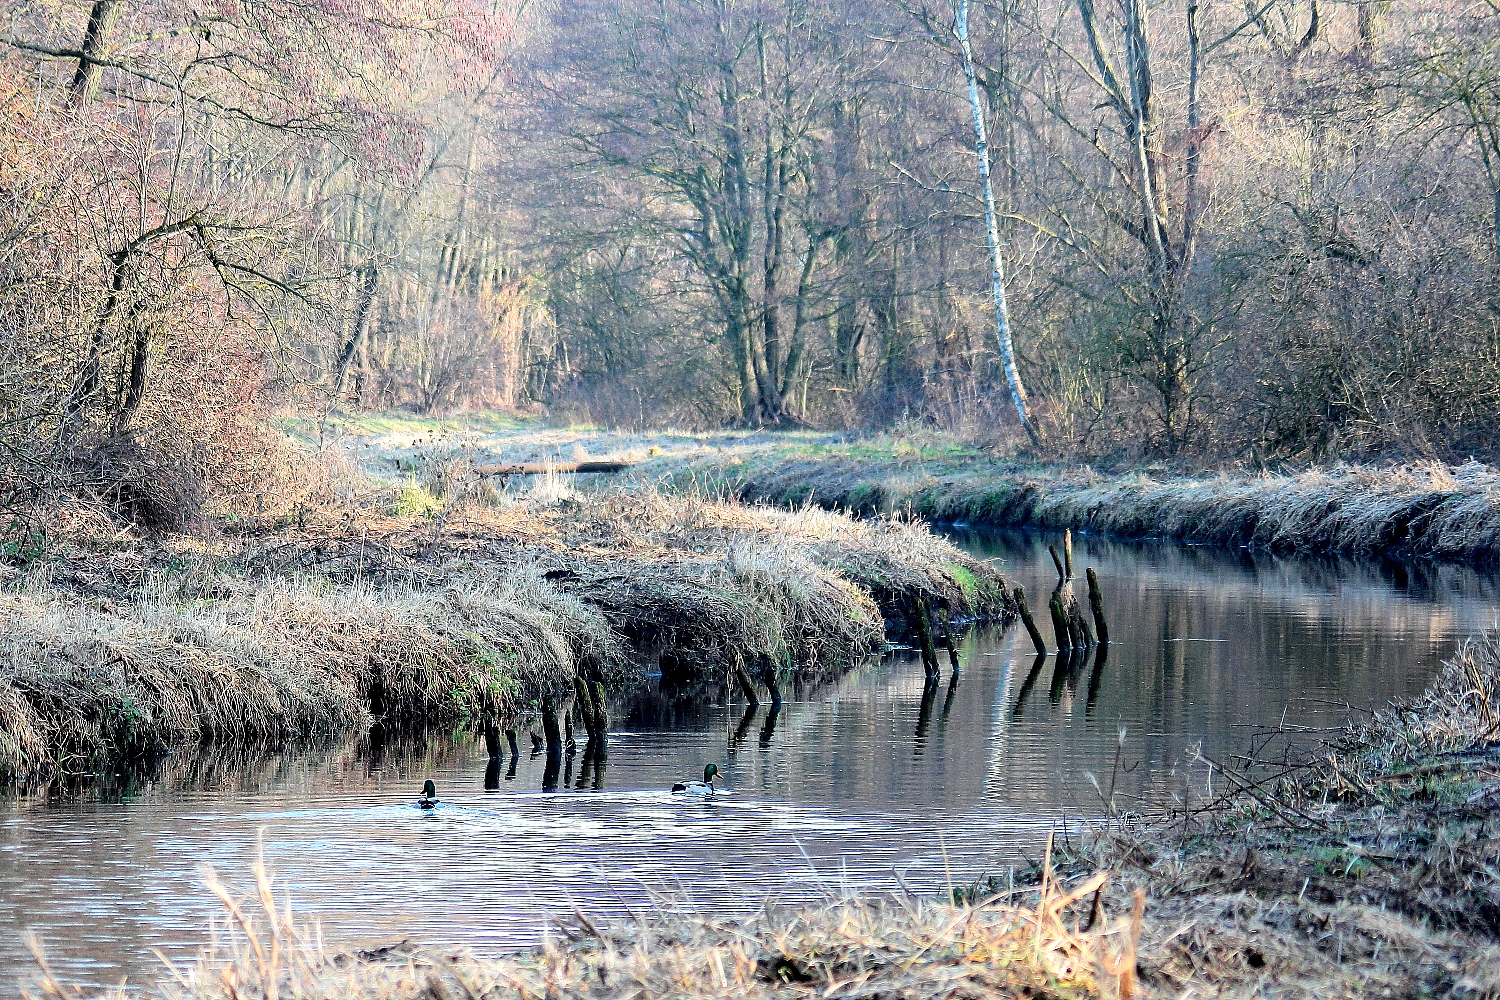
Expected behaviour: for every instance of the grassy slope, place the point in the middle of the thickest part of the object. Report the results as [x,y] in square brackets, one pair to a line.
[443,611]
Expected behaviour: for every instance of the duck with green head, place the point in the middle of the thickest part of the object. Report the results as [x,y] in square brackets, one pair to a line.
[704,787]
[429,799]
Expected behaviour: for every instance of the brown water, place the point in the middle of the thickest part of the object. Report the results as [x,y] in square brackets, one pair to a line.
[870,783]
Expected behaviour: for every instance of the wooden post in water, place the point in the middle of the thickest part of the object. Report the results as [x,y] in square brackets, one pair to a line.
[1036,634]
[1068,552]
[515,751]
[601,712]
[492,741]
[1083,636]
[551,728]
[768,672]
[949,641]
[601,729]
[746,686]
[1096,604]
[1060,621]
[1062,574]
[924,636]
[585,704]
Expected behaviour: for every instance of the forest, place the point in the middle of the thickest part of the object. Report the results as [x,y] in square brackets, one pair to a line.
[1220,231]
[385,382]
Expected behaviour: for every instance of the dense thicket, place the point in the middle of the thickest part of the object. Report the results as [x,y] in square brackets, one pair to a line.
[1236,229]
[200,202]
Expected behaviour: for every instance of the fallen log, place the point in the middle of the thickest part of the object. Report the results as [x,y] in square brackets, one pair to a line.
[539,468]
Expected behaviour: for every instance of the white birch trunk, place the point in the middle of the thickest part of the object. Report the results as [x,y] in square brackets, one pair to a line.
[997,262]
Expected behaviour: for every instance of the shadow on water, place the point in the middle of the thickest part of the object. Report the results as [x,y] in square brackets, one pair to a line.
[865,782]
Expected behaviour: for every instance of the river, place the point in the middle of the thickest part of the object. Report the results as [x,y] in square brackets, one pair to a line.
[872,782]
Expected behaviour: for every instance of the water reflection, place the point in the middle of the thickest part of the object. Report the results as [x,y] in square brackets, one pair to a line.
[878,780]
[1209,645]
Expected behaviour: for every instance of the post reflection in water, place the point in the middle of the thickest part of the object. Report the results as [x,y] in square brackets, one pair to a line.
[769,729]
[849,786]
[924,714]
[747,721]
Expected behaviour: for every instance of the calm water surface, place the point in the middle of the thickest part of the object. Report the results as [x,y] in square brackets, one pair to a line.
[870,783]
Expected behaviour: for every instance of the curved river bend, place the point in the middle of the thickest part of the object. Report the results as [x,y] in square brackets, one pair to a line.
[870,783]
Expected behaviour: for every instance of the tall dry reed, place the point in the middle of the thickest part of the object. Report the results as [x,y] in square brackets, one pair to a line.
[863,949]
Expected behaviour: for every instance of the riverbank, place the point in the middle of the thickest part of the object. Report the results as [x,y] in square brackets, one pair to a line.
[1423,509]
[471,610]
[1428,509]
[1370,868]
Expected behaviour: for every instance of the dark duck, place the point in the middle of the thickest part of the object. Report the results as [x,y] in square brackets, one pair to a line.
[429,799]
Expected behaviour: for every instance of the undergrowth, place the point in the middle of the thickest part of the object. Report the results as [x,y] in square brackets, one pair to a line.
[1370,868]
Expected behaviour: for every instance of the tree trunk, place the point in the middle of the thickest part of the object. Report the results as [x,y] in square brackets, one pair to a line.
[369,285]
[992,229]
[135,389]
[102,18]
[121,262]
[797,342]
[1193,160]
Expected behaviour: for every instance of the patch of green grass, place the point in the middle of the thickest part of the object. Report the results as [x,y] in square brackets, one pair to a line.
[966,581]
[21,543]
[1338,861]
[865,498]
[402,423]
[414,499]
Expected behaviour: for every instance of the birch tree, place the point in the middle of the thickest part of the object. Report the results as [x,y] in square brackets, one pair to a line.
[992,229]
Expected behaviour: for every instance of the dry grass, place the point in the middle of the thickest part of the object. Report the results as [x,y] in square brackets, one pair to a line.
[83,679]
[1427,509]
[713,582]
[873,948]
[120,646]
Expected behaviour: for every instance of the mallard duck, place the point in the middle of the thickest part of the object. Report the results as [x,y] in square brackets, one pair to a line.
[704,787]
[429,799]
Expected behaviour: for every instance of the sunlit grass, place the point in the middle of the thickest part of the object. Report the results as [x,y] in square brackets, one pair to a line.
[309,623]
